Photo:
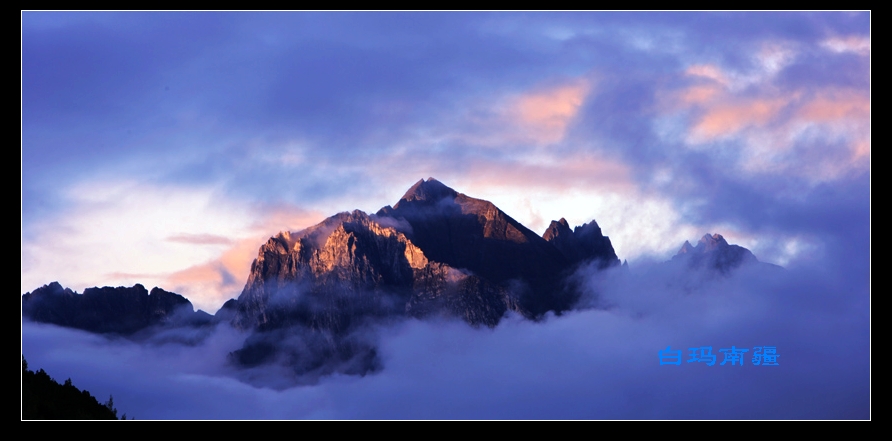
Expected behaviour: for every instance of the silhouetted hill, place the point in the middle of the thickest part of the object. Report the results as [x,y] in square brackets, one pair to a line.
[108,310]
[45,399]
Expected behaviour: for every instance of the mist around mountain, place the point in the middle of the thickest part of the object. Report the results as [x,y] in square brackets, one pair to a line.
[437,300]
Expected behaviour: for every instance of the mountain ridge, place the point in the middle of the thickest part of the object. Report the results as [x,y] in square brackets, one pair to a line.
[435,253]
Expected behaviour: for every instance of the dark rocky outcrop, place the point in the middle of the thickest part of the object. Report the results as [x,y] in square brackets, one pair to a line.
[123,311]
[584,243]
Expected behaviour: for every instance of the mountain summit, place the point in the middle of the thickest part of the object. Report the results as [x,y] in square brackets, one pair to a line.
[430,190]
[714,252]
[435,252]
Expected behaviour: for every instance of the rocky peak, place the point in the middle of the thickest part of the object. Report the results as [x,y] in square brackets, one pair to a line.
[429,191]
[583,243]
[473,234]
[557,228]
[712,243]
[713,251]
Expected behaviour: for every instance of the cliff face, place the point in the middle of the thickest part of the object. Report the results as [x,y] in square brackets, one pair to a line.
[351,267]
[347,266]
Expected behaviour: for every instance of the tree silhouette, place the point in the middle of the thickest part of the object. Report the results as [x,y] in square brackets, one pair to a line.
[45,399]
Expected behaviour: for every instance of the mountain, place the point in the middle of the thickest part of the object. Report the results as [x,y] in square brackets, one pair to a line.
[122,311]
[583,243]
[312,295]
[436,252]
[713,253]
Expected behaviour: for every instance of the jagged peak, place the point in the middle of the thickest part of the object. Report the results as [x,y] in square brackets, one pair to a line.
[712,242]
[588,228]
[686,248]
[557,228]
[707,243]
[430,190]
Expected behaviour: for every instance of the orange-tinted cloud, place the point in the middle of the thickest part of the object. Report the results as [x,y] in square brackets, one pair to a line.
[546,114]
[778,131]
[208,285]
[727,119]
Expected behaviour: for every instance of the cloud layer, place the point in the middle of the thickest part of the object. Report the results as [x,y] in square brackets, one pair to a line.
[164,148]
[586,364]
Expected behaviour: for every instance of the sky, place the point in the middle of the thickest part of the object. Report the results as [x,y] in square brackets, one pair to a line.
[165,148]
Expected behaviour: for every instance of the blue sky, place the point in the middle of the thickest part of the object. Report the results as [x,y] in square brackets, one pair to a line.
[164,148]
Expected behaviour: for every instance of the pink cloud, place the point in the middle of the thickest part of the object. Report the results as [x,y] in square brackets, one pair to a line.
[699,94]
[545,115]
[570,172]
[709,71]
[727,119]
[200,239]
[779,131]
[136,277]
[208,285]
[836,105]
[852,43]
[862,150]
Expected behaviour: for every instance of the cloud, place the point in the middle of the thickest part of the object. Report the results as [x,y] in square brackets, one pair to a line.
[853,43]
[546,114]
[200,239]
[190,240]
[586,364]
[709,71]
[726,120]
[140,158]
[817,133]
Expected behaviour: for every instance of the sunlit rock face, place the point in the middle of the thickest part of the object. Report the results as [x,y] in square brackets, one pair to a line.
[714,253]
[348,266]
[107,310]
[310,294]
[352,267]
